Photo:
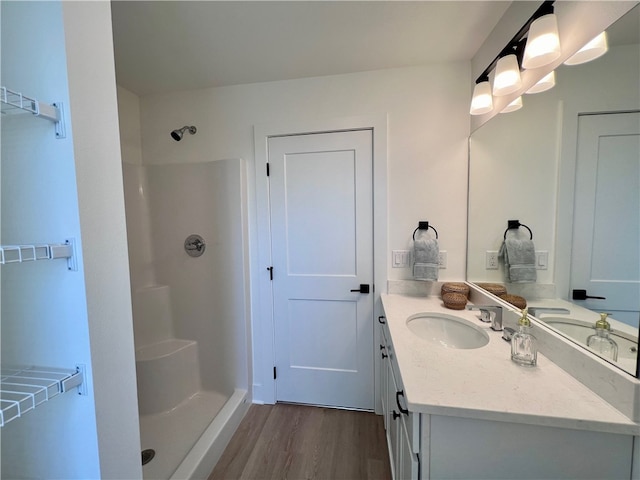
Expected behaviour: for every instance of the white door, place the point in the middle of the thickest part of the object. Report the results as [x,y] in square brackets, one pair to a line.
[321,194]
[606,247]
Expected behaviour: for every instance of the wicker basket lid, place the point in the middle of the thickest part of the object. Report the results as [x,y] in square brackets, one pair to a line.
[455,287]
[515,300]
[454,301]
[494,288]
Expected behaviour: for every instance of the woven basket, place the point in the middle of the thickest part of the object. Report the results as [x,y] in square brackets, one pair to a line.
[455,287]
[494,288]
[454,301]
[515,300]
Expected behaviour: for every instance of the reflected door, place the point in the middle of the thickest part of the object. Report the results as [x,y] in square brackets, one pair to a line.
[321,197]
[606,239]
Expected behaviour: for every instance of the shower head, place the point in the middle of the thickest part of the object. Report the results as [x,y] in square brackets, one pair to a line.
[177,134]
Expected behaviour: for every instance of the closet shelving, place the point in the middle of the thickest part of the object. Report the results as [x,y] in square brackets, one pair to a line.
[22,389]
[30,253]
[13,102]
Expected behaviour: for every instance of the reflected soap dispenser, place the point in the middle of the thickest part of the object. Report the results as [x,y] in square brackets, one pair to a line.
[601,342]
[523,344]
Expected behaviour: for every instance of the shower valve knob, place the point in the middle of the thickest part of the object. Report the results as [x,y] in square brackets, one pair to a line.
[194,245]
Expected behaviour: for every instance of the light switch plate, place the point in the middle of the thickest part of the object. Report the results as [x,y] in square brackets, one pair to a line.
[542,259]
[400,258]
[442,261]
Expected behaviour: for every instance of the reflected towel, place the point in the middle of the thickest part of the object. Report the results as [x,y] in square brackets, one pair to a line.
[426,258]
[519,256]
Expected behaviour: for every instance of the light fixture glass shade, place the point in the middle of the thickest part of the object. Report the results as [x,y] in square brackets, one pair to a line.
[592,50]
[513,106]
[507,79]
[543,42]
[482,101]
[545,83]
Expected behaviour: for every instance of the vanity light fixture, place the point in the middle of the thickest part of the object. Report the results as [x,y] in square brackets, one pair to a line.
[545,83]
[510,60]
[482,101]
[592,50]
[543,41]
[513,106]
[507,79]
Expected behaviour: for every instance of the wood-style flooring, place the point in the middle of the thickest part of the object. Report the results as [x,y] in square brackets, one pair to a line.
[301,442]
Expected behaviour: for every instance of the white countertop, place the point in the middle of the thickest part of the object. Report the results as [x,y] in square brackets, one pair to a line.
[485,384]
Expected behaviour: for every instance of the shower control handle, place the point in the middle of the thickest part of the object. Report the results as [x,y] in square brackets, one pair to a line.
[194,245]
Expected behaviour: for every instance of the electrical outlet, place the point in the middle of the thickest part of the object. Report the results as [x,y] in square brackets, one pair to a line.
[491,260]
[442,259]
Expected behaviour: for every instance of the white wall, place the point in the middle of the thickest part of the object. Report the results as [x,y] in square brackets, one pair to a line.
[427,110]
[136,193]
[92,91]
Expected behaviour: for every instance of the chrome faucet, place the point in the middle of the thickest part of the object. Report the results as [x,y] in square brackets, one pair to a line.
[489,313]
[536,310]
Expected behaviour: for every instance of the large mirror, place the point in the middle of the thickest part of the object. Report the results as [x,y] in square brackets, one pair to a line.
[567,165]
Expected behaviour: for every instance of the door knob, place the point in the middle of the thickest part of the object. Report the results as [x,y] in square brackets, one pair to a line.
[582,295]
[364,288]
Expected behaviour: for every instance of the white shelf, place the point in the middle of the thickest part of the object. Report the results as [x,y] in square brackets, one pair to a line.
[24,388]
[13,102]
[31,253]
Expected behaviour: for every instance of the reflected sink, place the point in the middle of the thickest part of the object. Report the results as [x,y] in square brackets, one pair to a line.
[580,330]
[447,331]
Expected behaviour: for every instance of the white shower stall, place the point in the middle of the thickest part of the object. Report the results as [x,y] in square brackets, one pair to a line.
[190,313]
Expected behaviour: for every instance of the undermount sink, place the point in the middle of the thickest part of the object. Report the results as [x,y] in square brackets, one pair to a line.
[580,330]
[447,331]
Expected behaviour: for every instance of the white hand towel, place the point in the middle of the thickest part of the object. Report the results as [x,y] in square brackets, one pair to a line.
[426,259]
[519,259]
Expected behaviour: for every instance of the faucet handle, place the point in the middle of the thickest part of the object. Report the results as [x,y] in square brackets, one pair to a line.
[507,334]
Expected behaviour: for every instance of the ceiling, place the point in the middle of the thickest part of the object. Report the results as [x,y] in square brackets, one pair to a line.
[164,46]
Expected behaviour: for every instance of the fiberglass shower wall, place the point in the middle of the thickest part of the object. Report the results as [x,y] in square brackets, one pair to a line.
[208,294]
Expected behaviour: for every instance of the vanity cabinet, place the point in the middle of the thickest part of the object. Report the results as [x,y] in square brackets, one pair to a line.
[402,426]
[510,426]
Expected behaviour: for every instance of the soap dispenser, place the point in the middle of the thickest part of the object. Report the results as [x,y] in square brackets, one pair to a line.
[523,343]
[601,342]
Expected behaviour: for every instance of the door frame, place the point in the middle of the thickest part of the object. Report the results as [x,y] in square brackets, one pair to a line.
[263,330]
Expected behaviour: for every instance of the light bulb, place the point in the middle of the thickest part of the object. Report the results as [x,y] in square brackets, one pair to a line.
[545,83]
[513,106]
[482,101]
[507,79]
[543,42]
[592,50]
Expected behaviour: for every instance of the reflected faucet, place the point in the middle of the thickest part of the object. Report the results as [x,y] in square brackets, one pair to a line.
[536,310]
[489,313]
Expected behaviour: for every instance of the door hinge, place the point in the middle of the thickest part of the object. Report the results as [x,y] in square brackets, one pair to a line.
[270,272]
[267,169]
[275,375]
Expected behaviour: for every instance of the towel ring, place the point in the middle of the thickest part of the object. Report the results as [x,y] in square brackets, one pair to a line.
[514,225]
[424,226]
